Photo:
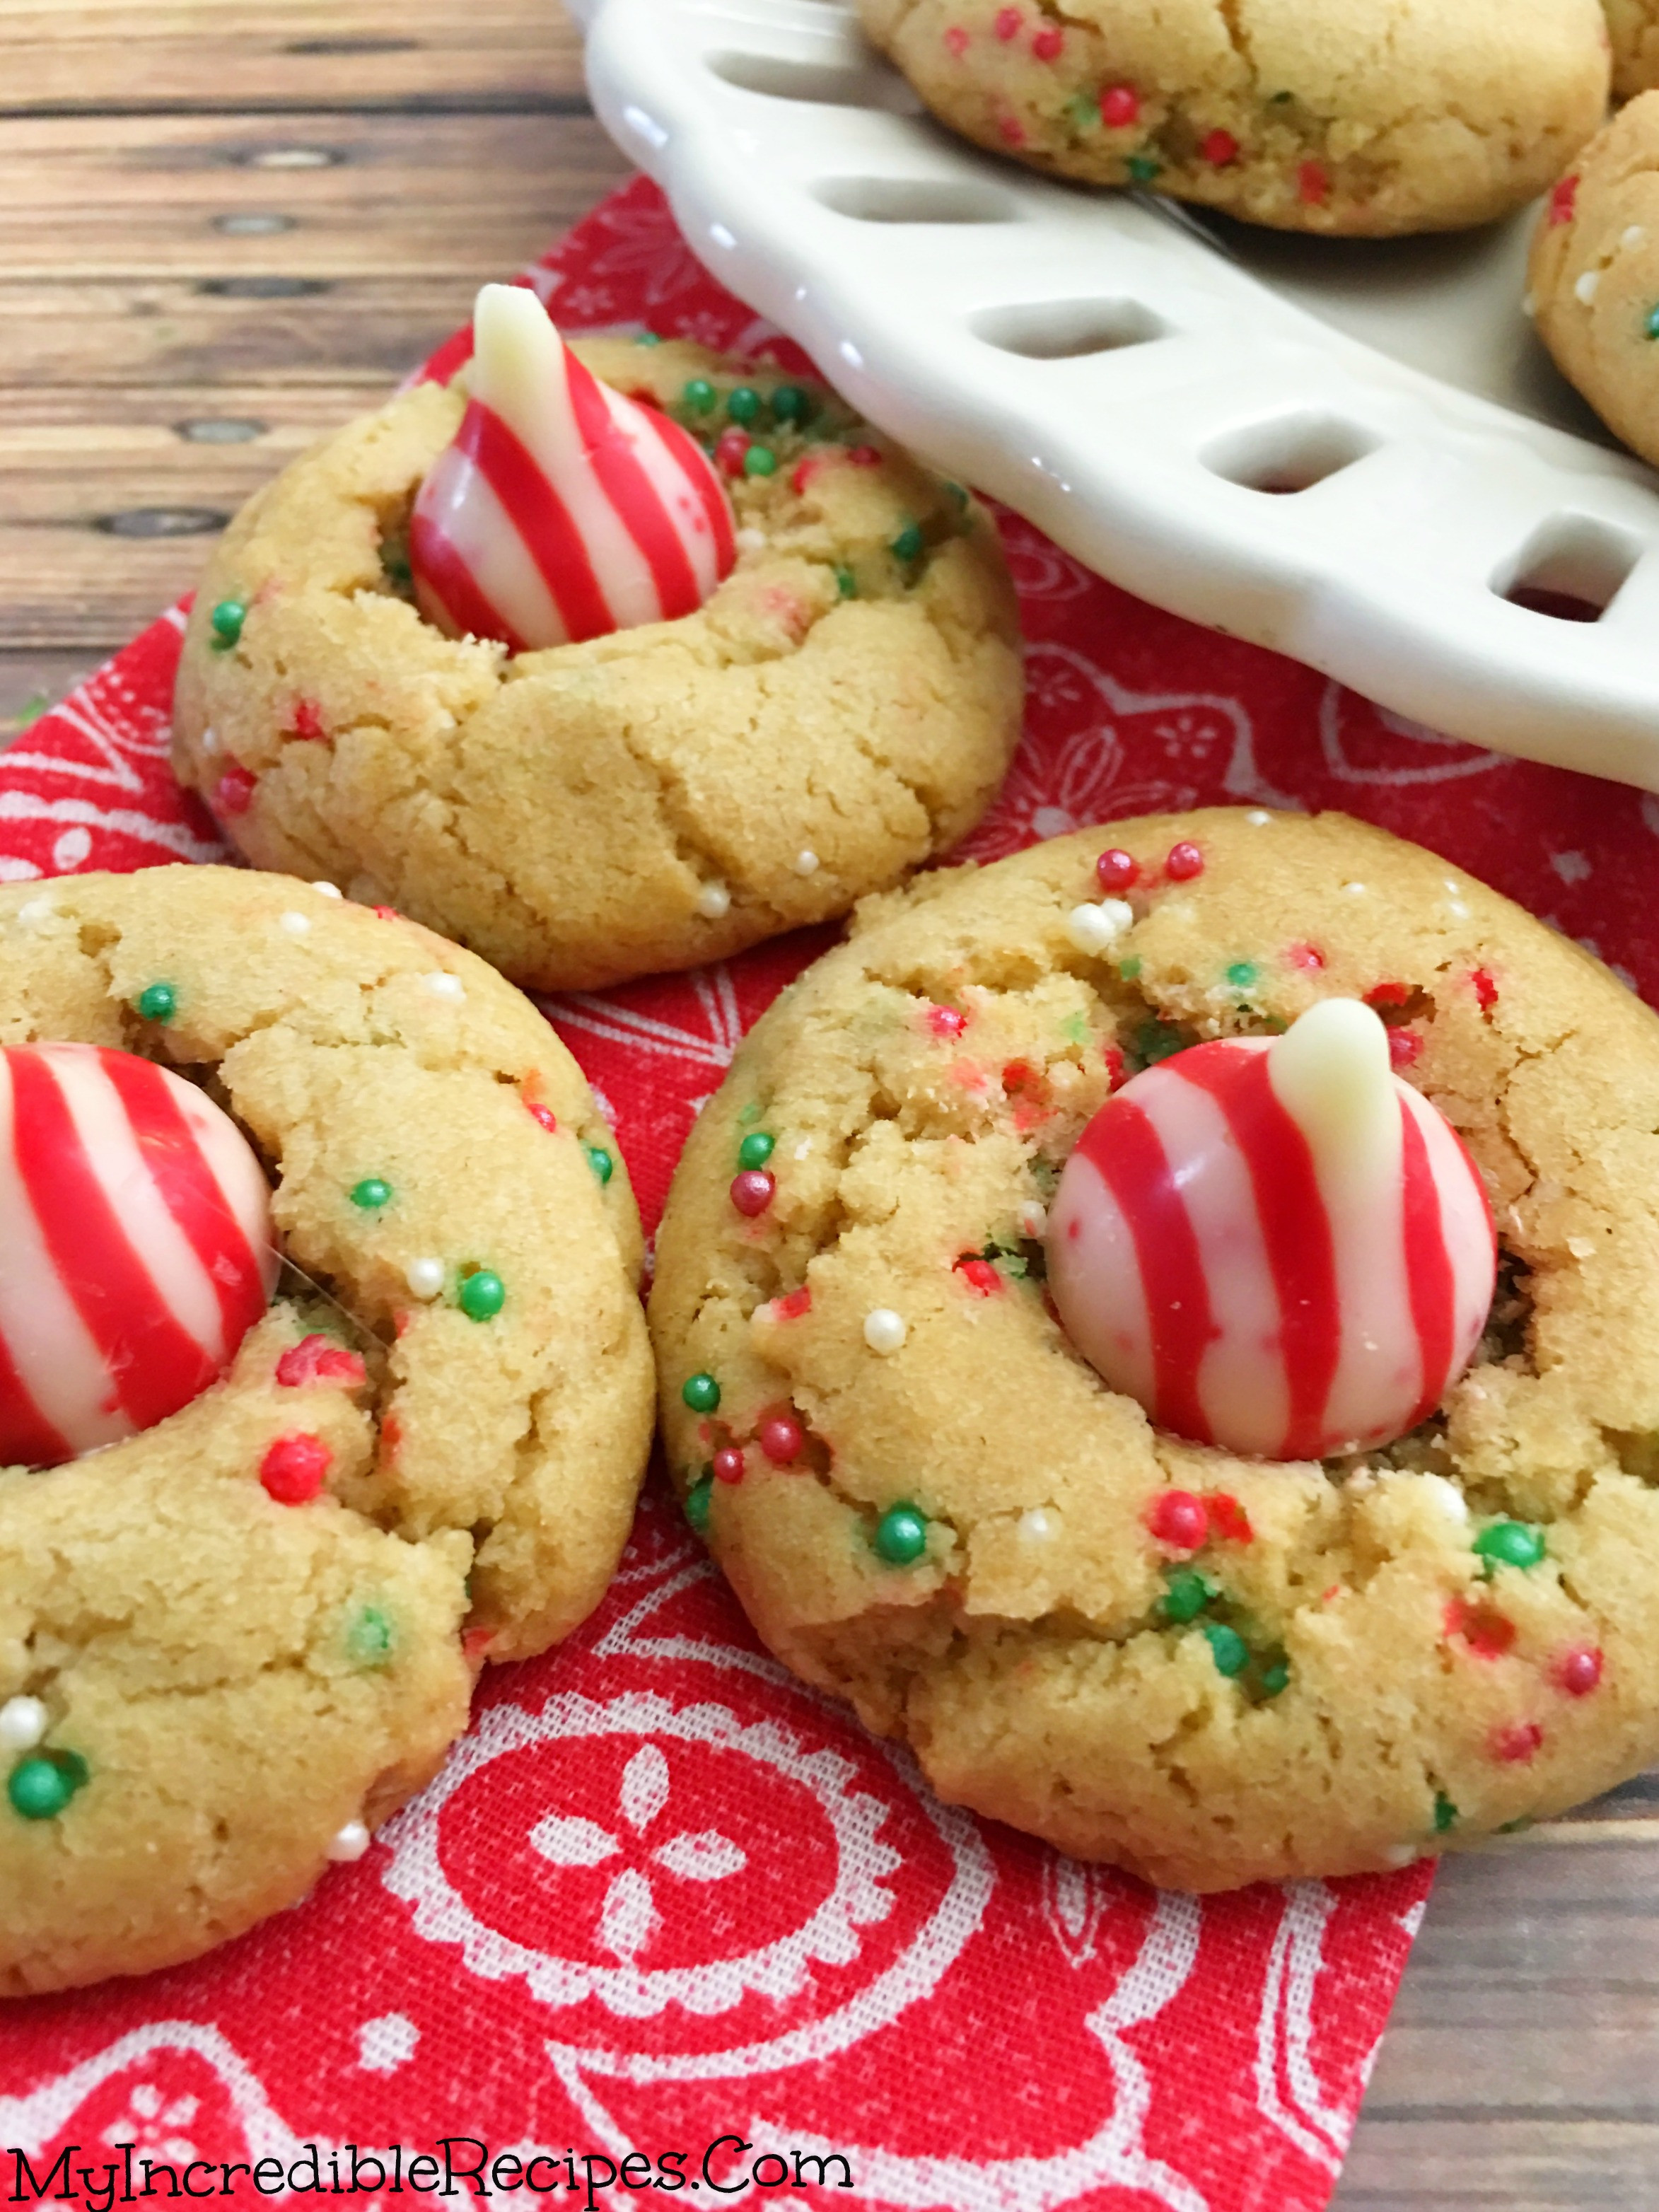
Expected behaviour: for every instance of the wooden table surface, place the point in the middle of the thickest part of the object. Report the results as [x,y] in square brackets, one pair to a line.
[223,231]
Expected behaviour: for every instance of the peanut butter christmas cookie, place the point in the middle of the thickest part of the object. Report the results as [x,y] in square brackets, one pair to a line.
[253,1548]
[1363,122]
[539,671]
[1084,1347]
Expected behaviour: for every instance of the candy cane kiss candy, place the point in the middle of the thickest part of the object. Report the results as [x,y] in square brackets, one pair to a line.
[562,510]
[135,1247]
[1275,1244]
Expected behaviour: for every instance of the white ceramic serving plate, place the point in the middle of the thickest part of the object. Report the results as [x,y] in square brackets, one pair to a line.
[1349,451]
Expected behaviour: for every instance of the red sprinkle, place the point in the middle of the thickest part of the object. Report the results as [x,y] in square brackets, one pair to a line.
[1119,107]
[1185,861]
[1487,1634]
[794,1305]
[1313,185]
[752,1190]
[1516,1745]
[729,449]
[1230,1520]
[956,40]
[319,1359]
[804,472]
[1388,994]
[308,721]
[1007,24]
[1020,1075]
[1306,956]
[1405,1050]
[233,793]
[981,1275]
[1219,148]
[945,1021]
[385,912]
[728,1464]
[780,1437]
[1115,870]
[544,1115]
[1010,129]
[292,1468]
[1579,1671]
[1564,202]
[1178,1519]
[1114,1059]
[864,457]
[475,1642]
[1484,987]
[1047,43]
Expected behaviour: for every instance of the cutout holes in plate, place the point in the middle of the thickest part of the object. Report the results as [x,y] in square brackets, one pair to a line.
[1290,454]
[1064,330]
[915,199]
[1571,570]
[825,84]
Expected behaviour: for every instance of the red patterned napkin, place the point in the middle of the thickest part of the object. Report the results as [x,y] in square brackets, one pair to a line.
[662,1895]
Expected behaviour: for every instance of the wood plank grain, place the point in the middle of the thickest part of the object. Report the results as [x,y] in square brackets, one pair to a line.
[347,56]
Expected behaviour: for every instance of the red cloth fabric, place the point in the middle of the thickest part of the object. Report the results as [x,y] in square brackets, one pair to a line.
[661,1893]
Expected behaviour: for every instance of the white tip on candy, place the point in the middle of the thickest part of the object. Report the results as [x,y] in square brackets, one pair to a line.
[349,1843]
[885,1330]
[23,1724]
[1095,928]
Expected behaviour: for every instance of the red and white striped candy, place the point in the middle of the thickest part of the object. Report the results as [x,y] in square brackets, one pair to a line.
[563,511]
[135,1247]
[1275,1245]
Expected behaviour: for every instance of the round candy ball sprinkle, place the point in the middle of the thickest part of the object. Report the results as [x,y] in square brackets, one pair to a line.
[1510,1544]
[226,621]
[442,985]
[1119,107]
[1227,1648]
[601,1163]
[1048,42]
[1093,928]
[1183,862]
[233,793]
[1220,149]
[782,1437]
[371,1193]
[349,1843]
[713,902]
[744,404]
[753,1191]
[482,1294]
[40,1788]
[1445,1813]
[790,403]
[907,545]
[728,1464]
[295,925]
[1143,169]
[760,461]
[158,1002]
[1178,1519]
[885,1330]
[901,1536]
[1275,1678]
[544,1115]
[370,1639]
[702,1393]
[696,1503]
[1115,870]
[425,1277]
[698,395]
[316,1359]
[292,1468]
[23,1724]
[1578,1672]
[1185,1594]
[1241,974]
[756,1149]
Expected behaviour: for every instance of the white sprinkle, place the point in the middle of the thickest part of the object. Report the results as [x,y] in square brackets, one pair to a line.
[1588,286]
[425,1277]
[1258,818]
[1354,891]
[1093,928]
[23,1724]
[445,986]
[351,1842]
[1401,1855]
[387,2043]
[1033,1219]
[328,890]
[1631,239]
[748,540]
[884,1330]
[34,911]
[802,1148]
[1035,1527]
[714,900]
[1581,1247]
[209,741]
[1447,1496]
[806,862]
[296,925]
[1530,305]
[1458,910]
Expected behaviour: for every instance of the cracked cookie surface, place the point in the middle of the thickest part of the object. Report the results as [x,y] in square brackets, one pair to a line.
[841,709]
[238,1678]
[1360,122]
[932,1506]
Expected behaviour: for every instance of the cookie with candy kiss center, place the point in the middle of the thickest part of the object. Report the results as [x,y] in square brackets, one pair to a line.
[136,1248]
[1275,1245]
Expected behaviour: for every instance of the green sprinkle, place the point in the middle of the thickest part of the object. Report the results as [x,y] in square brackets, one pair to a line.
[1651,325]
[1185,1594]
[1517,1827]
[648,337]
[482,1294]
[1142,169]
[744,404]
[756,1149]
[907,545]
[1076,1027]
[601,1162]
[698,395]
[372,1193]
[1227,1647]
[846,583]
[1129,968]
[702,1393]
[397,567]
[789,403]
[759,461]
[1082,113]
[901,1536]
[696,1502]
[1242,975]
[957,496]
[1445,1813]
[227,620]
[1156,1041]
[1275,1677]
[41,1786]
[1510,1544]
[158,1002]
[369,1639]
